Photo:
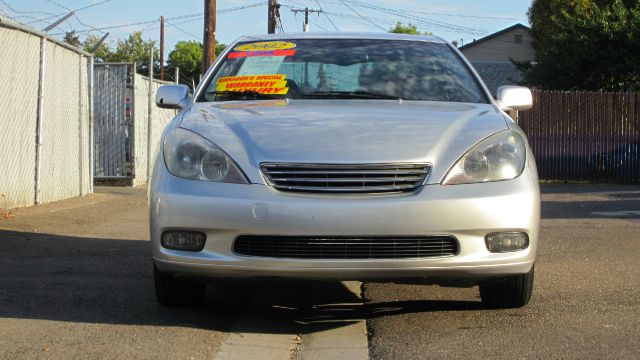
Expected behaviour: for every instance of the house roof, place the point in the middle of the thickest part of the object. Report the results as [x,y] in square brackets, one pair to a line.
[496,74]
[491,36]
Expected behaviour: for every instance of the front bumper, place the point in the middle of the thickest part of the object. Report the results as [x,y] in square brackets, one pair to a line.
[226,211]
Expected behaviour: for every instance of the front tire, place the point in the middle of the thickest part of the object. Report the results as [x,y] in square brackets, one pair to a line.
[176,292]
[508,293]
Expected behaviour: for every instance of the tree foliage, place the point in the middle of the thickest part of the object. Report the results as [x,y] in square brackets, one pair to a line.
[188,56]
[585,44]
[136,50]
[102,53]
[411,29]
[220,47]
[72,39]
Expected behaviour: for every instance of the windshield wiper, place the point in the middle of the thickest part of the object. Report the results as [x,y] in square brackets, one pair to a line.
[349,95]
[242,95]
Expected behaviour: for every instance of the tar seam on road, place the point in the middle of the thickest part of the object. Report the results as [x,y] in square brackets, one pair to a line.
[345,340]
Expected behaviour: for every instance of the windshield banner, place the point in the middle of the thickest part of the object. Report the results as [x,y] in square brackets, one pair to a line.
[243,54]
[264,84]
[265,46]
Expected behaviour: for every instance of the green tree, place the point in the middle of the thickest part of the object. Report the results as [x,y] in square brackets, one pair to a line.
[585,44]
[72,39]
[220,47]
[188,56]
[102,53]
[411,29]
[136,50]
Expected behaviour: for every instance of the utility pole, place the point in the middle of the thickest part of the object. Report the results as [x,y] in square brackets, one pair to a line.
[162,48]
[274,14]
[306,11]
[209,43]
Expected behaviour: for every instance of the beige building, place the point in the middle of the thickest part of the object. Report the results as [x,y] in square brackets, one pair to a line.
[513,42]
[492,55]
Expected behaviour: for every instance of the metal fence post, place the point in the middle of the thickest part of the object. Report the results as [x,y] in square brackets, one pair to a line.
[150,112]
[135,126]
[80,120]
[40,113]
[91,141]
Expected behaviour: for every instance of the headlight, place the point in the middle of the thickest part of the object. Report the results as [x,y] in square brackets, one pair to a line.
[190,156]
[499,157]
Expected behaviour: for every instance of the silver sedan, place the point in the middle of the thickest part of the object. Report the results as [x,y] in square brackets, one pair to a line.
[377,157]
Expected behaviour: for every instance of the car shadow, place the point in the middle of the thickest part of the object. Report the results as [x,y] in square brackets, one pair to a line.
[110,281]
[569,188]
[613,202]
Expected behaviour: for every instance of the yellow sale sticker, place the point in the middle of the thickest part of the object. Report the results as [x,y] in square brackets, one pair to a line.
[266,46]
[264,84]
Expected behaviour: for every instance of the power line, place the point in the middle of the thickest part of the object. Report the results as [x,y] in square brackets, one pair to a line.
[191,16]
[325,14]
[86,25]
[5,14]
[186,19]
[354,18]
[114,27]
[368,20]
[25,12]
[184,31]
[318,25]
[420,20]
[92,5]
[76,17]
[58,15]
[451,14]
[364,18]
[23,16]
[358,20]
[471,16]
[152,27]
[58,4]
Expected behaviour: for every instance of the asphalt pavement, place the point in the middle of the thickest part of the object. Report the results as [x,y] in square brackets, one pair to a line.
[585,305]
[76,282]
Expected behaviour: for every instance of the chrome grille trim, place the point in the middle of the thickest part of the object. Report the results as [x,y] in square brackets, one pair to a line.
[322,247]
[345,178]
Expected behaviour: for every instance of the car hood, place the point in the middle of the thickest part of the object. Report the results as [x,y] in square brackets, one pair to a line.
[344,131]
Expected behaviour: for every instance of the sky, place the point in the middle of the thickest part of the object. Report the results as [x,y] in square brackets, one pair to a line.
[461,20]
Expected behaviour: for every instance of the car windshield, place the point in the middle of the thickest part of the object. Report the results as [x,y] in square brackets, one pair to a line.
[343,69]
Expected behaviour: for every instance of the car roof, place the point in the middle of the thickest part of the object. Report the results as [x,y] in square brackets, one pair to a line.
[342,35]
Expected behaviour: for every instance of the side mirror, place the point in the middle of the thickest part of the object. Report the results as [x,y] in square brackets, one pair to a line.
[515,98]
[173,97]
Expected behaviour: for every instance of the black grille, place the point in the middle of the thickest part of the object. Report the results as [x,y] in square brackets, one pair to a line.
[299,247]
[343,178]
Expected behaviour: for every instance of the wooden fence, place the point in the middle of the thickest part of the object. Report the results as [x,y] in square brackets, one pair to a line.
[585,136]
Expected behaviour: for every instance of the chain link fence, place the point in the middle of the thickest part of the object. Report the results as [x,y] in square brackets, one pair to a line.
[45,129]
[121,111]
[159,120]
